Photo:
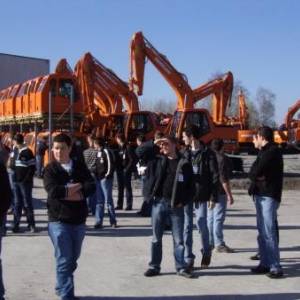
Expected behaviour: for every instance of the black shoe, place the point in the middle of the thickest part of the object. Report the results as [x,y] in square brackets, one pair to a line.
[185,273]
[15,229]
[275,274]
[205,262]
[260,270]
[118,207]
[190,265]
[151,273]
[128,208]
[255,257]
[114,225]
[97,226]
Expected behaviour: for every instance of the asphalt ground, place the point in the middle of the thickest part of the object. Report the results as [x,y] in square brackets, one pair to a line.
[113,261]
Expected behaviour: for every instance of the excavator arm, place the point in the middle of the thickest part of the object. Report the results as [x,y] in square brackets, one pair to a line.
[221,88]
[140,49]
[106,77]
[290,114]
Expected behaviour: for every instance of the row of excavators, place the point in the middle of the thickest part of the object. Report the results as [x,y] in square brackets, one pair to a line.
[92,98]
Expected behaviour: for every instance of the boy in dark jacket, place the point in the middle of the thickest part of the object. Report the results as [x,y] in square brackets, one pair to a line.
[125,166]
[206,177]
[23,166]
[5,202]
[172,188]
[105,167]
[266,175]
[68,183]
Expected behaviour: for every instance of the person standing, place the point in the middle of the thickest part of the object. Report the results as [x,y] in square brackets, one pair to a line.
[90,156]
[105,167]
[5,202]
[125,165]
[216,216]
[42,147]
[266,176]
[23,166]
[206,177]
[67,183]
[172,188]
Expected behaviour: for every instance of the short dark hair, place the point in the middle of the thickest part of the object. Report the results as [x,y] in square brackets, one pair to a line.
[217,144]
[266,132]
[170,138]
[19,138]
[141,137]
[192,130]
[63,138]
[158,135]
[99,141]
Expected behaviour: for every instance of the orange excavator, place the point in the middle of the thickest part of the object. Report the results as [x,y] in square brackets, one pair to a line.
[185,114]
[97,82]
[289,132]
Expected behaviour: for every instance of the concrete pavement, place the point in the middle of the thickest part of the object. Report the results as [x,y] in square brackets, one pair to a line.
[113,260]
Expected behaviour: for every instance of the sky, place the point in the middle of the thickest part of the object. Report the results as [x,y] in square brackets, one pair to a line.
[257,40]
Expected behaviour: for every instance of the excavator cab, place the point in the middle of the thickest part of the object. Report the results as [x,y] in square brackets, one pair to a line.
[185,117]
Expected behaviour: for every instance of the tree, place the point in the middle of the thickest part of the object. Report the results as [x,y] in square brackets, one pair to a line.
[265,107]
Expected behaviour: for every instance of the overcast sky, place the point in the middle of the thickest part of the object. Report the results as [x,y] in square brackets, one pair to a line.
[257,40]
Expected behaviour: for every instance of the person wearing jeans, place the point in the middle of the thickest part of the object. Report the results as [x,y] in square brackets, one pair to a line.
[23,166]
[216,216]
[171,187]
[266,179]
[105,168]
[6,200]
[68,183]
[206,178]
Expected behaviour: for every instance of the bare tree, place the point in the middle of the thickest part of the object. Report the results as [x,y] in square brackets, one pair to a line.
[265,107]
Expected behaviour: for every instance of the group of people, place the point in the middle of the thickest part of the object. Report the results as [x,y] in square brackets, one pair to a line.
[175,185]
[196,179]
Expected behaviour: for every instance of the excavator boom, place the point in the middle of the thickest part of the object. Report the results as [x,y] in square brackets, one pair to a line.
[140,49]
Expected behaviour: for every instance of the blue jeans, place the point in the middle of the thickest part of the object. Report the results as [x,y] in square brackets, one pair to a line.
[215,222]
[67,241]
[23,198]
[2,290]
[39,164]
[160,212]
[104,194]
[201,222]
[266,212]
[124,182]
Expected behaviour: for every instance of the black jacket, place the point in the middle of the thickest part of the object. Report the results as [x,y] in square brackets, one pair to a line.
[56,181]
[183,190]
[105,164]
[5,192]
[206,174]
[266,173]
[125,158]
[23,165]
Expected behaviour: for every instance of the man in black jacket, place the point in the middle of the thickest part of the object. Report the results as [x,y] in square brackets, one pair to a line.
[105,167]
[266,175]
[172,188]
[125,166]
[68,183]
[5,202]
[206,177]
[23,166]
